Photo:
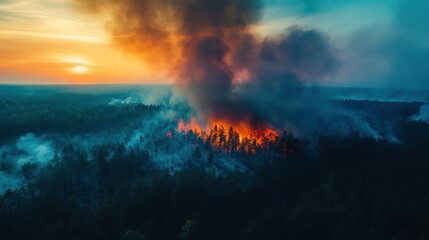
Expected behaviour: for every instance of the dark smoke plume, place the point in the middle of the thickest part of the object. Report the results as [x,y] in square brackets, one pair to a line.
[209,46]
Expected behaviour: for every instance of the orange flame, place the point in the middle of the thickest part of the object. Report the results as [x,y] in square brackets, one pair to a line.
[191,126]
[244,130]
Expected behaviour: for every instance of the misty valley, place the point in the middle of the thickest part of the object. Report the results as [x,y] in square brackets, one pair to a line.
[138,162]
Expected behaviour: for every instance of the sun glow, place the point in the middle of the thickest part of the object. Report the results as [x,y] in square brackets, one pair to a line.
[79,69]
[73,60]
[45,41]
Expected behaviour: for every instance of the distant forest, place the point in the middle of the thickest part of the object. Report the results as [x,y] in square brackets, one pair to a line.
[137,177]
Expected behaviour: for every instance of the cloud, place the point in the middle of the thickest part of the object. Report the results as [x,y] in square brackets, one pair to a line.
[209,48]
[232,75]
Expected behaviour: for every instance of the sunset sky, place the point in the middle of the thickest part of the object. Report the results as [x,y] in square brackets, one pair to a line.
[47,42]
[380,43]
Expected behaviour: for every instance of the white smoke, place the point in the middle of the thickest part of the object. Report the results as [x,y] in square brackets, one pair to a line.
[28,149]
[423,114]
[35,150]
[126,101]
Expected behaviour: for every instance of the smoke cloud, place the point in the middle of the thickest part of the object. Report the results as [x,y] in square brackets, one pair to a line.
[34,150]
[423,114]
[389,52]
[8,182]
[226,70]
[28,149]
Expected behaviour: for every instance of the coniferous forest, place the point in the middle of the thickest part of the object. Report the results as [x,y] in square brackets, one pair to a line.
[79,165]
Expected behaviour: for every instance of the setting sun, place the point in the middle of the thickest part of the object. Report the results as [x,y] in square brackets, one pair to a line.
[79,69]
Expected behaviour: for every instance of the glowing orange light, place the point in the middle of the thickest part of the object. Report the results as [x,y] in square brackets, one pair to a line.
[244,130]
[192,125]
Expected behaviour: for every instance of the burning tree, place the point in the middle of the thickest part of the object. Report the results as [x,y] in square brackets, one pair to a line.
[241,142]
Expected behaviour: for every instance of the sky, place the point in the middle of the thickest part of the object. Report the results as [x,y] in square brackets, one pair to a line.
[382,43]
[48,42]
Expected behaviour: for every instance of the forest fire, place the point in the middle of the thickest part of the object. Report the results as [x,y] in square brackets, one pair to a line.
[224,131]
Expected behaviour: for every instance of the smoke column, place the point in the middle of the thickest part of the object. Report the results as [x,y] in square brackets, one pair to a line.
[211,49]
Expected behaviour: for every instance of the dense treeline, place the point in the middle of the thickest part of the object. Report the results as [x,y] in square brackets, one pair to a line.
[67,113]
[349,187]
[157,183]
